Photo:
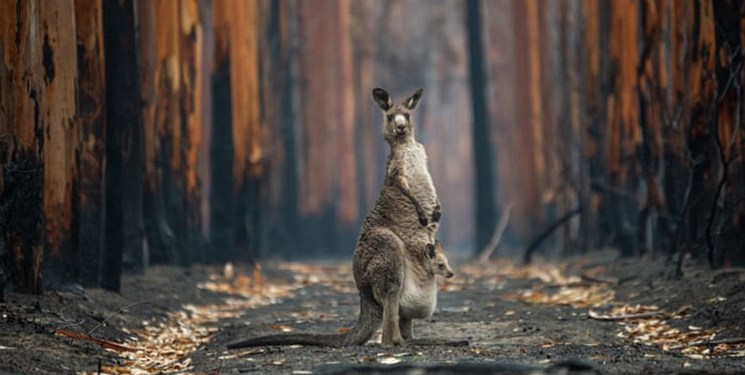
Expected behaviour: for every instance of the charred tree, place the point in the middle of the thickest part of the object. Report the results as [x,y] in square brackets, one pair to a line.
[124,146]
[652,80]
[222,213]
[61,143]
[623,125]
[700,130]
[485,204]
[237,153]
[528,135]
[21,146]
[187,139]
[724,229]
[40,139]
[92,157]
[161,239]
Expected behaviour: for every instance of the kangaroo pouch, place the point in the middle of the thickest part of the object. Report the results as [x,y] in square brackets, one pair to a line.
[418,299]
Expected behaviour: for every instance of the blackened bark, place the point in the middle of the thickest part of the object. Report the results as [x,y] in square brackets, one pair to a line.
[222,233]
[22,221]
[92,157]
[486,208]
[21,148]
[124,152]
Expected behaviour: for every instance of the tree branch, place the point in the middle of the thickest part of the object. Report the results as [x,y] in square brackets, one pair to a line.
[558,223]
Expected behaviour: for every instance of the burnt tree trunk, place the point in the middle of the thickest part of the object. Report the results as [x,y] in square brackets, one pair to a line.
[701,124]
[124,146]
[61,143]
[723,237]
[650,90]
[486,208]
[528,135]
[189,187]
[92,157]
[161,240]
[222,215]
[22,145]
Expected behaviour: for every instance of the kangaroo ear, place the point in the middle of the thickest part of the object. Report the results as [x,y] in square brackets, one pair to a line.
[413,100]
[431,251]
[382,99]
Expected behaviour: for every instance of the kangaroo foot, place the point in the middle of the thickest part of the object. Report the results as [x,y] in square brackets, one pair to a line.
[394,341]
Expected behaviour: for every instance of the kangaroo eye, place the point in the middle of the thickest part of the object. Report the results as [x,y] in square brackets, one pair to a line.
[389,117]
[441,266]
[406,115]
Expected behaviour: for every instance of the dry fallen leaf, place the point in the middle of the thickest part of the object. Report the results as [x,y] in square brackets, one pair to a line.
[166,347]
[281,327]
[389,360]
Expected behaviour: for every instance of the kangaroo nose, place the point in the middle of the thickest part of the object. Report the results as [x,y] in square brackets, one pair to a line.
[401,126]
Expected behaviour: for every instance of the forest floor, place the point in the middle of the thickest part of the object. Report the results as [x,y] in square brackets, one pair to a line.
[599,315]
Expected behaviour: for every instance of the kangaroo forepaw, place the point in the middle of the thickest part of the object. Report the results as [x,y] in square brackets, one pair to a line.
[423,219]
[436,214]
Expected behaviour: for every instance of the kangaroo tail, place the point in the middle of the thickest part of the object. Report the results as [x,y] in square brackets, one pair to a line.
[368,322]
[335,340]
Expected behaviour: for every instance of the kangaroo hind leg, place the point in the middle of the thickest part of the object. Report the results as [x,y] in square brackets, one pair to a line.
[406,327]
[391,330]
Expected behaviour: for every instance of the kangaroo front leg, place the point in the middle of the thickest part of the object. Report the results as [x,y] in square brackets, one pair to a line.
[406,327]
[391,330]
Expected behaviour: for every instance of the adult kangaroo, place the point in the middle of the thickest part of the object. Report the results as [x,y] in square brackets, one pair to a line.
[396,257]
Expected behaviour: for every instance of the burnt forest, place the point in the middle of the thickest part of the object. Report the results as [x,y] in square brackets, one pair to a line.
[372,186]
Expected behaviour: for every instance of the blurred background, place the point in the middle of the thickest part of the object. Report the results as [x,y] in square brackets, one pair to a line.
[182,131]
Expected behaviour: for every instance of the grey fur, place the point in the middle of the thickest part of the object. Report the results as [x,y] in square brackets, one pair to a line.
[393,264]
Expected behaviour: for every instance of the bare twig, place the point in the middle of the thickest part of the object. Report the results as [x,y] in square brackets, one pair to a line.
[102,343]
[558,223]
[117,312]
[73,324]
[489,249]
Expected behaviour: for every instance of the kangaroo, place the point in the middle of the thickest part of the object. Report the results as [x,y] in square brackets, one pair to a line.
[418,301]
[393,260]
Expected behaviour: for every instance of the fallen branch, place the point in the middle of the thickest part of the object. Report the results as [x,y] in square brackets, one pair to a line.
[102,343]
[489,249]
[537,242]
[649,314]
[593,279]
[732,340]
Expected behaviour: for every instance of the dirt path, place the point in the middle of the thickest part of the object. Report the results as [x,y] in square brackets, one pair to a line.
[173,320]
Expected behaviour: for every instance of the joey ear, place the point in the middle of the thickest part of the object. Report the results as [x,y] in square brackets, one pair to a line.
[382,99]
[413,100]
[431,251]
